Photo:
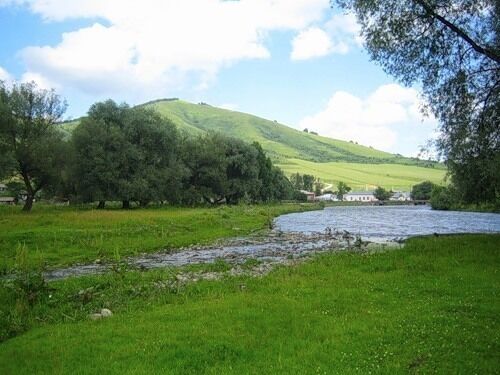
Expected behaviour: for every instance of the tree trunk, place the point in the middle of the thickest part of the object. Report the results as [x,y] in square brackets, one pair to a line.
[30,192]
[101,205]
[126,205]
[143,203]
[29,203]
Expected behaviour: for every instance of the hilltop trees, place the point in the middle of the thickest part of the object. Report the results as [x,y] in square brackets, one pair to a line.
[30,144]
[452,49]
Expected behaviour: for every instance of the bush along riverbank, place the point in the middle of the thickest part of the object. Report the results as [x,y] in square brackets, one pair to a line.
[431,306]
[447,198]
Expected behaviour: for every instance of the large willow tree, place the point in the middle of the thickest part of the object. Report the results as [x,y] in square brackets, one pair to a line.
[452,49]
[31,147]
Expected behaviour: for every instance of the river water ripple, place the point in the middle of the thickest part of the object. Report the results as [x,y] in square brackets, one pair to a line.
[383,223]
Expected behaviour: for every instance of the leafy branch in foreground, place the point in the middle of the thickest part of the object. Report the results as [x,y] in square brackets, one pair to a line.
[451,48]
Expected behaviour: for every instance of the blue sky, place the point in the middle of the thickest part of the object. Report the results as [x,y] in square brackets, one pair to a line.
[295,61]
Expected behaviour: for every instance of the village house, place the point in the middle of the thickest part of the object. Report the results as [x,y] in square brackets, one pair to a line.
[360,196]
[327,198]
[310,195]
[400,196]
[3,188]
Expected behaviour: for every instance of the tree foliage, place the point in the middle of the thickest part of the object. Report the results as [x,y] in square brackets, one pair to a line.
[133,154]
[451,48]
[303,182]
[382,194]
[342,189]
[30,144]
[442,198]
[422,191]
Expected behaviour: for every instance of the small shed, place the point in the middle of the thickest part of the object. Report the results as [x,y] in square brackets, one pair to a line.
[7,201]
[310,195]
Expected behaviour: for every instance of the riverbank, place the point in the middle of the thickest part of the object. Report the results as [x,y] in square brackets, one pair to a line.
[52,236]
[431,306]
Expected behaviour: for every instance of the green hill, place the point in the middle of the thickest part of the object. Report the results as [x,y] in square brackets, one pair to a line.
[297,151]
[280,142]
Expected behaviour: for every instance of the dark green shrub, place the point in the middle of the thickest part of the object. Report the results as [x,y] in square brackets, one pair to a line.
[442,198]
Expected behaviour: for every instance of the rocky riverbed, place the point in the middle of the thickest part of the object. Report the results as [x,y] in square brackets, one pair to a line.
[267,250]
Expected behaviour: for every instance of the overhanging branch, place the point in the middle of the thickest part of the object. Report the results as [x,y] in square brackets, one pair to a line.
[493,55]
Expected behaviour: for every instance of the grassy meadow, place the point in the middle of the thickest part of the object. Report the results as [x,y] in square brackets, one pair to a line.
[55,236]
[360,175]
[430,307]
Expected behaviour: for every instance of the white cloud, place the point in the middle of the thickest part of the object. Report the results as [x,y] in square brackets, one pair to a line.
[339,35]
[382,120]
[4,75]
[149,45]
[310,43]
[345,29]
[40,80]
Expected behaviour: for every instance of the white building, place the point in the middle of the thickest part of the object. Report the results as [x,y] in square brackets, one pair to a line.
[327,198]
[400,196]
[360,196]
[3,188]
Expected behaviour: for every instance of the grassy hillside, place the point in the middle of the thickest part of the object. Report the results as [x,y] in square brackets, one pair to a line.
[280,141]
[296,151]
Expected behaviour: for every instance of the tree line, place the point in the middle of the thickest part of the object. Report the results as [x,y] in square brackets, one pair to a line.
[127,154]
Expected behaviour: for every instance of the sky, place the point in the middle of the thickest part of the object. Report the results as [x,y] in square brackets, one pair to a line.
[300,62]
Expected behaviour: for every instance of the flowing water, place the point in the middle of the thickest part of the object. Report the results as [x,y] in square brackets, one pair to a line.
[386,223]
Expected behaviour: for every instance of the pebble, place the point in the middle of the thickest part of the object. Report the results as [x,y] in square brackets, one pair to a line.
[105,313]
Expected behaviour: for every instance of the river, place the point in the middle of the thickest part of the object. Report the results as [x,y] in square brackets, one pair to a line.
[385,223]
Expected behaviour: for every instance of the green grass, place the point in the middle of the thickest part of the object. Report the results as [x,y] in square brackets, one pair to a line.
[432,307]
[361,176]
[64,235]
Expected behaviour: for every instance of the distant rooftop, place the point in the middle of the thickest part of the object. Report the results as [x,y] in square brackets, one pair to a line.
[359,193]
